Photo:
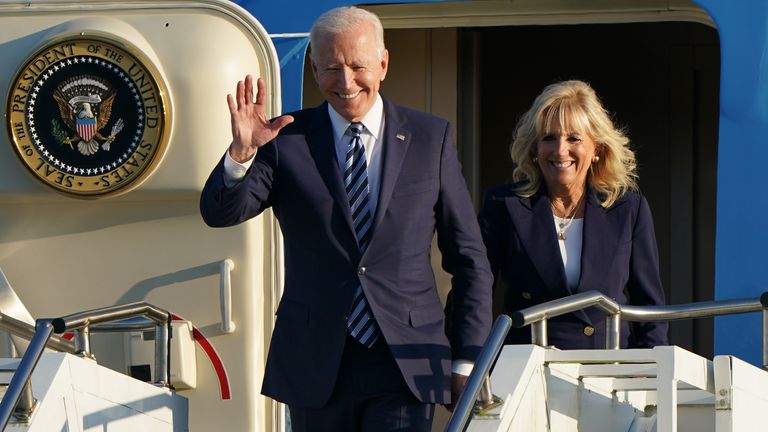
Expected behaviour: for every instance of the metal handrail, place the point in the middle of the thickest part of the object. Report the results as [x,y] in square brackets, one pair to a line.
[564,305]
[135,324]
[20,380]
[225,295]
[478,379]
[26,331]
[81,320]
[537,315]
[80,323]
[705,309]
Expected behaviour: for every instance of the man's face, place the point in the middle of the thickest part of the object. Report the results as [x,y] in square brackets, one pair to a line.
[349,71]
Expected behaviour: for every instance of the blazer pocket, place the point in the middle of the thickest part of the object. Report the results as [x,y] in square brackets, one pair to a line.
[293,311]
[423,315]
[413,187]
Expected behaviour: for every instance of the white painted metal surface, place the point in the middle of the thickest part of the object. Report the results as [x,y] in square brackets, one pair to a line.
[64,255]
[77,395]
[665,389]
[741,392]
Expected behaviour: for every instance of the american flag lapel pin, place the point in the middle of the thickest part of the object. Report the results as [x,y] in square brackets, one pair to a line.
[401,137]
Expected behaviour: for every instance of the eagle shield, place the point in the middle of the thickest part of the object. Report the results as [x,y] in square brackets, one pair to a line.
[85,128]
[85,105]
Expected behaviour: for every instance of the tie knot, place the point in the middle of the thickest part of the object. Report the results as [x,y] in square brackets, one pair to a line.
[356,129]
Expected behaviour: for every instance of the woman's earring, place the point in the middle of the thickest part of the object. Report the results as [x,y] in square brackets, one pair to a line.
[535,159]
[596,159]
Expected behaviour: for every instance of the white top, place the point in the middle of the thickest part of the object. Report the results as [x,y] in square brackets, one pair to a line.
[570,249]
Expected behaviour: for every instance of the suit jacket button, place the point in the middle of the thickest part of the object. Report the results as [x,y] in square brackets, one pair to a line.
[361,271]
[526,295]
[589,330]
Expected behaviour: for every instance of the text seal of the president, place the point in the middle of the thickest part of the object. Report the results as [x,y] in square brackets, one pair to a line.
[87,116]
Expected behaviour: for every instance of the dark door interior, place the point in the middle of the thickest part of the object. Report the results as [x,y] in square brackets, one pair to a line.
[661,82]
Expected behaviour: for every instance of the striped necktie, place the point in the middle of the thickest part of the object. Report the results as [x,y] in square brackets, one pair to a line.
[360,324]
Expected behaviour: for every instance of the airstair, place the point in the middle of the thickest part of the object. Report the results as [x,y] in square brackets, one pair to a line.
[57,386]
[665,389]
[73,393]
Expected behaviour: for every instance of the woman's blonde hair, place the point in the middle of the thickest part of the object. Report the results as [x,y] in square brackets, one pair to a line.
[576,108]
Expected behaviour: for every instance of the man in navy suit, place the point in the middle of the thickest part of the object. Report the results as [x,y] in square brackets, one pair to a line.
[359,186]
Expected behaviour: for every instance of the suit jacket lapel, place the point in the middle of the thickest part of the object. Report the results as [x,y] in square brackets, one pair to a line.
[323,149]
[537,233]
[395,140]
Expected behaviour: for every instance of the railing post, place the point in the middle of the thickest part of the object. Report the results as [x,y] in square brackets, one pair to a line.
[765,337]
[161,355]
[485,394]
[486,400]
[612,331]
[539,333]
[83,342]
[26,404]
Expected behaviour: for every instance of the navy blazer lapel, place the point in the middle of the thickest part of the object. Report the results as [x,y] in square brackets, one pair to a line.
[395,140]
[536,228]
[323,148]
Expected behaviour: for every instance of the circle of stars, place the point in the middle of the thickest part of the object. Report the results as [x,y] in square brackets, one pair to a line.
[53,160]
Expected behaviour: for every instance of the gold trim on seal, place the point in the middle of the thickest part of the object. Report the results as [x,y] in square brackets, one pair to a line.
[87,116]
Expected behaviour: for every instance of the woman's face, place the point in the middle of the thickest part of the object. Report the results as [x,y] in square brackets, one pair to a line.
[564,158]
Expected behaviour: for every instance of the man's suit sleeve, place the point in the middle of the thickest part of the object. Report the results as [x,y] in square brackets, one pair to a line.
[223,206]
[644,285]
[464,257]
[492,229]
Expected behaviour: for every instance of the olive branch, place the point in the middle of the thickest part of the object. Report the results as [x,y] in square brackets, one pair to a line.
[57,132]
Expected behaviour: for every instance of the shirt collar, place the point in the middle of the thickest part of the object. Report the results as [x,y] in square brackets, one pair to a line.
[371,120]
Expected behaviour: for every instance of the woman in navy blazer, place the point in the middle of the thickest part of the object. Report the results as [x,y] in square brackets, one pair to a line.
[573,221]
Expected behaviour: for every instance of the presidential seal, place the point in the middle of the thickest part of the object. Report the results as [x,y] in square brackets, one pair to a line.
[88,117]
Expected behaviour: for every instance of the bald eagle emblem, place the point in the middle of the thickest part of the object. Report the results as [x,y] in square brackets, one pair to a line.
[85,105]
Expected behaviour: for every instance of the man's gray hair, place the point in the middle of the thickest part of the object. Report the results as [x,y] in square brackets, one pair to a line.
[341,19]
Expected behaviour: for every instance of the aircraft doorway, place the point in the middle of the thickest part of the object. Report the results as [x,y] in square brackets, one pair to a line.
[660,80]
[661,83]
